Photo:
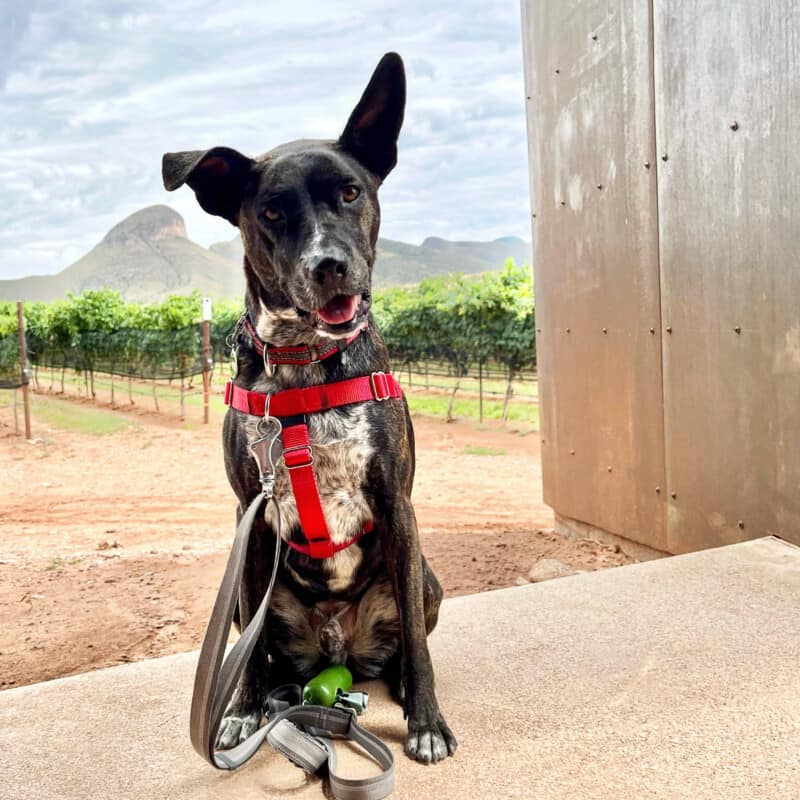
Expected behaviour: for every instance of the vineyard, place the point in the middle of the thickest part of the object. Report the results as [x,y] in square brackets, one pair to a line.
[469,342]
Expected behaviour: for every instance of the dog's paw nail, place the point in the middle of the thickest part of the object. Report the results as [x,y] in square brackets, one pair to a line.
[439,748]
[424,752]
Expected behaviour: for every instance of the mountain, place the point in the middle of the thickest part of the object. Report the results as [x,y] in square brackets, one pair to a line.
[145,257]
[399,263]
[148,256]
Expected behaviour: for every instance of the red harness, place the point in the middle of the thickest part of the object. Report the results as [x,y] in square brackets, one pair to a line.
[297,453]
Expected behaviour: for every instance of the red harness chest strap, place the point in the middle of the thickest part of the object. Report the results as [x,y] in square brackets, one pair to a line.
[297,452]
[299,460]
[311,399]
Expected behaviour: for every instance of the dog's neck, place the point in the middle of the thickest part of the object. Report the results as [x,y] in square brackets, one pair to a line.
[272,314]
[277,324]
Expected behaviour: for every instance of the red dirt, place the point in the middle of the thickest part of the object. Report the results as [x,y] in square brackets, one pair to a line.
[112,546]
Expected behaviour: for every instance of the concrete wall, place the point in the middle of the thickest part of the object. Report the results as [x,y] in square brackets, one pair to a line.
[665,183]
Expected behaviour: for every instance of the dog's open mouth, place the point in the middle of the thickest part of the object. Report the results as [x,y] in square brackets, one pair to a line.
[342,312]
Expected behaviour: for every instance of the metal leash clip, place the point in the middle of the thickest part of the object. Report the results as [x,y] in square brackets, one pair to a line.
[352,701]
[269,430]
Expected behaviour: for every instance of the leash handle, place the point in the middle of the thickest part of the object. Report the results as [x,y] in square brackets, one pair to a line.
[217,676]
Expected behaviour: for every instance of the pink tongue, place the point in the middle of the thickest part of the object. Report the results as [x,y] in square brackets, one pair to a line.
[341,308]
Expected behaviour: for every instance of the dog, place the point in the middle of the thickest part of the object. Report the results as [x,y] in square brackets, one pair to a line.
[308,214]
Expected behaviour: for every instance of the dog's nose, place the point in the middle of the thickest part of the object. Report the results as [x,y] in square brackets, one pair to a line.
[326,269]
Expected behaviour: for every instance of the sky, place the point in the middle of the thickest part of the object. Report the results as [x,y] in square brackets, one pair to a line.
[93,92]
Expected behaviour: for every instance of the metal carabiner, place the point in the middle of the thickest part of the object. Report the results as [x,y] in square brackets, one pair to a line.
[269,430]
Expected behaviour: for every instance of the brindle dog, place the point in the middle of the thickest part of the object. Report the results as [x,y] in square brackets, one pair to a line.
[309,216]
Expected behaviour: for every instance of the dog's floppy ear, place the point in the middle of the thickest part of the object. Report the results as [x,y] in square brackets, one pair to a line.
[218,177]
[372,130]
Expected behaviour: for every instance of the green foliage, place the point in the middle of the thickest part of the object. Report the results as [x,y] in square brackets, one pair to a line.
[100,310]
[178,312]
[98,331]
[463,320]
[10,374]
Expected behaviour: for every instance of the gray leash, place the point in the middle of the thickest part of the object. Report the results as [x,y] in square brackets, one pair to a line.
[301,733]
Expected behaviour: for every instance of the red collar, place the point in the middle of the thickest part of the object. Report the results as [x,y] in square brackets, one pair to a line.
[301,355]
[298,455]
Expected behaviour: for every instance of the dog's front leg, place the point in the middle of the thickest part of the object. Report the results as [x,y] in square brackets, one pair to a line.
[429,737]
[243,715]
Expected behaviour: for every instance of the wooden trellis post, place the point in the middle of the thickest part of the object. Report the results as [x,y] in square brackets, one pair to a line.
[23,366]
[206,356]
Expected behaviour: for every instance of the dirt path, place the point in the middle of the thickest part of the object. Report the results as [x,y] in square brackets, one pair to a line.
[111,547]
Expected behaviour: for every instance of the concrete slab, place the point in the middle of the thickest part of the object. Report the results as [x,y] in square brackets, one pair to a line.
[677,678]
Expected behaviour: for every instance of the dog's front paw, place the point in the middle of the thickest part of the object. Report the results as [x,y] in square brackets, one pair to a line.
[236,726]
[430,740]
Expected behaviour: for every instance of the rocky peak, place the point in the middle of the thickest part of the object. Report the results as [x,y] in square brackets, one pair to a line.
[152,224]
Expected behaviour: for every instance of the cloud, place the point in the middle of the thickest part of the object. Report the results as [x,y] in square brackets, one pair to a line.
[94,92]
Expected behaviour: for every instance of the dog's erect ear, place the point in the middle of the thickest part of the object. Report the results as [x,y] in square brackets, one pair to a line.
[218,177]
[372,130]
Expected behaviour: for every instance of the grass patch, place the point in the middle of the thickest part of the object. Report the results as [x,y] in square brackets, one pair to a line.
[77,418]
[528,389]
[480,450]
[524,414]
[140,389]
[523,411]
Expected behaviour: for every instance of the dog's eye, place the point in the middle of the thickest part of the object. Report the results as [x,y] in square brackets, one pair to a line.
[350,192]
[272,214]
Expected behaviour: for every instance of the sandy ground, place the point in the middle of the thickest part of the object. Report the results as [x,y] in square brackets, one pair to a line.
[111,547]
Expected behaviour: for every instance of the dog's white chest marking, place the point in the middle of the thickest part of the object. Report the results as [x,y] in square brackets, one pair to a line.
[341,452]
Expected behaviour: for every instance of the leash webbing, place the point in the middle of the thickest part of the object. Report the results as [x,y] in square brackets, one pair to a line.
[299,732]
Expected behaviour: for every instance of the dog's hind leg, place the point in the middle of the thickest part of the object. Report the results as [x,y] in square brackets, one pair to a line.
[432,594]
[243,715]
